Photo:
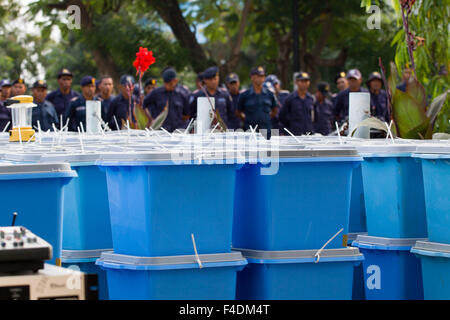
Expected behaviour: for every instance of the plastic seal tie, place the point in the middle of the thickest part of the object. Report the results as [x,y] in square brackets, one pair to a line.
[317,255]
[197,258]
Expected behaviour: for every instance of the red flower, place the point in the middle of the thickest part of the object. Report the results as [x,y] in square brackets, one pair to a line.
[144,59]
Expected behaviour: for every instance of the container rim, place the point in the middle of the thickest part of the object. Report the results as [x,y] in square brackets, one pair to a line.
[380,243]
[301,256]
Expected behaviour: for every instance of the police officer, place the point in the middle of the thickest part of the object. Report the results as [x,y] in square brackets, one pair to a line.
[122,104]
[64,95]
[6,90]
[323,110]
[406,75]
[77,109]
[172,94]
[341,83]
[296,115]
[257,106]
[5,113]
[44,112]
[280,96]
[18,88]
[149,86]
[378,98]
[105,88]
[341,106]
[223,101]
[233,85]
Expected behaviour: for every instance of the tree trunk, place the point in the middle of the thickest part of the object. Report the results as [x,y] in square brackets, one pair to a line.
[170,12]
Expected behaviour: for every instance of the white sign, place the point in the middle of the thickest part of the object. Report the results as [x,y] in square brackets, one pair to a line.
[93,117]
[359,110]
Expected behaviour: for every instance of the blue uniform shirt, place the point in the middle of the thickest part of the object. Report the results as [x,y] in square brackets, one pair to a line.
[233,121]
[323,117]
[46,114]
[62,102]
[223,103]
[296,114]
[178,106]
[379,106]
[342,104]
[257,108]
[402,87]
[77,113]
[119,109]
[5,117]
[106,103]
[281,99]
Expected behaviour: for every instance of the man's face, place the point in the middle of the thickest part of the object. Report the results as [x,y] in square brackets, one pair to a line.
[303,85]
[149,88]
[407,74]
[212,83]
[65,82]
[171,85]
[375,85]
[39,94]
[124,89]
[233,87]
[258,80]
[106,87]
[18,89]
[319,95]
[342,84]
[6,93]
[354,84]
[88,91]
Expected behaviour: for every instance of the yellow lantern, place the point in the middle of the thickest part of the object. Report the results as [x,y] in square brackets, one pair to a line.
[21,114]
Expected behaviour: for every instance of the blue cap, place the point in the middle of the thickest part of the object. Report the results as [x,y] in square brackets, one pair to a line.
[210,73]
[169,74]
[232,77]
[87,80]
[258,71]
[125,79]
[64,72]
[20,80]
[302,76]
[273,79]
[5,83]
[150,81]
[355,74]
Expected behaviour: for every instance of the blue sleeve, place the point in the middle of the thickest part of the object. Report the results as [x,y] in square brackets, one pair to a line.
[284,112]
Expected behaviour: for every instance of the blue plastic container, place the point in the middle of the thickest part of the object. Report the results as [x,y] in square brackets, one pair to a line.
[435,259]
[35,192]
[357,221]
[436,179]
[300,207]
[391,271]
[155,206]
[172,278]
[84,261]
[358,292]
[393,192]
[294,275]
[87,223]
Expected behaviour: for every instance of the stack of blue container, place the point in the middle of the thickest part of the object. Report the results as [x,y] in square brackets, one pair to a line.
[283,224]
[171,228]
[86,230]
[435,253]
[396,219]
[35,192]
